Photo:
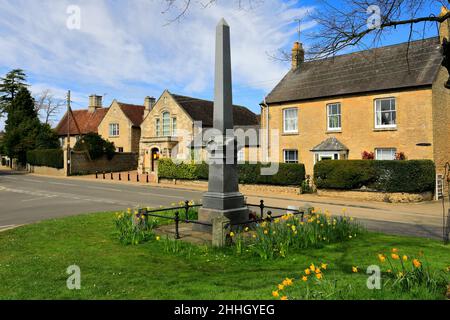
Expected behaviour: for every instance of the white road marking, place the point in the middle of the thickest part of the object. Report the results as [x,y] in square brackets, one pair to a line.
[40,198]
[63,184]
[102,188]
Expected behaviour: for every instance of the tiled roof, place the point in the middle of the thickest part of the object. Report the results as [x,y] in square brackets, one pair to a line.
[330,144]
[81,122]
[385,68]
[203,110]
[134,112]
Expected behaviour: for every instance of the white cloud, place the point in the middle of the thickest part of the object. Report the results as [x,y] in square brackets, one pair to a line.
[124,48]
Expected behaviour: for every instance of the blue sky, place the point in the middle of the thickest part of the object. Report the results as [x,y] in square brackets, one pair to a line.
[125,50]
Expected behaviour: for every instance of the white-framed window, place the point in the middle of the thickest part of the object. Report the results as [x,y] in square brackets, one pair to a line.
[385,153]
[334,116]
[290,120]
[174,126]
[113,129]
[157,127]
[385,113]
[166,124]
[290,156]
[241,155]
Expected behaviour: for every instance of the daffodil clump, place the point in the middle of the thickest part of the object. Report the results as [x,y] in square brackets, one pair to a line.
[133,227]
[312,284]
[406,272]
[274,239]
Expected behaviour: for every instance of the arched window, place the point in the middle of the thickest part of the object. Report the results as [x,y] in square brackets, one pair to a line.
[166,124]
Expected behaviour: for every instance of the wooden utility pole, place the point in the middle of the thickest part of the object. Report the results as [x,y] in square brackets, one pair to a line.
[68,119]
[67,153]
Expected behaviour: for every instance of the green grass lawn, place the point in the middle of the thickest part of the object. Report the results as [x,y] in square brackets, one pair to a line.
[34,259]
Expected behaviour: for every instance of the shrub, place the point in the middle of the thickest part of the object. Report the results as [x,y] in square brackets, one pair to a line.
[288,173]
[386,176]
[96,146]
[49,158]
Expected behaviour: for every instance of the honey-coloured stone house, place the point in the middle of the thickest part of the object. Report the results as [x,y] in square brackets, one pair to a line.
[381,100]
[169,128]
[119,123]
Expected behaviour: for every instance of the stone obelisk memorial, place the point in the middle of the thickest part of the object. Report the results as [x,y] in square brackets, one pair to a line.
[223,203]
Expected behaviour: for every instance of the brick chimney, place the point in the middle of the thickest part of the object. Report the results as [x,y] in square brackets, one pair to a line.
[95,102]
[149,103]
[444,27]
[298,55]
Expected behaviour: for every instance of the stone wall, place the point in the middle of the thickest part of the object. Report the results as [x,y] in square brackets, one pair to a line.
[82,164]
[47,171]
[441,124]
[397,197]
[245,188]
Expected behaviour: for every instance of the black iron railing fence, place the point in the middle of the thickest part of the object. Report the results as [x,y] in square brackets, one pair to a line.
[181,215]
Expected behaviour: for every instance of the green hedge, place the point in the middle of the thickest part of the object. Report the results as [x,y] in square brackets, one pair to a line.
[46,157]
[288,173]
[410,176]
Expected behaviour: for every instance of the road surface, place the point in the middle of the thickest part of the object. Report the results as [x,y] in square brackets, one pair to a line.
[29,198]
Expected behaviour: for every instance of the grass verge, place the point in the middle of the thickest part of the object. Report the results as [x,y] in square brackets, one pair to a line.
[34,259]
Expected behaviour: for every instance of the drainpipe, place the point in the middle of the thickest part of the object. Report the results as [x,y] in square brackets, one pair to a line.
[267,128]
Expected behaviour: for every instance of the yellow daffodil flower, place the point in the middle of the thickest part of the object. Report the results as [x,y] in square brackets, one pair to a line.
[416,263]
[354,269]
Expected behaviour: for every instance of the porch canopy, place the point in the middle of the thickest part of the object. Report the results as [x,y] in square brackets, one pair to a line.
[330,149]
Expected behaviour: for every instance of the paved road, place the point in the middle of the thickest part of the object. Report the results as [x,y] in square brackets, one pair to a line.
[29,198]
[26,199]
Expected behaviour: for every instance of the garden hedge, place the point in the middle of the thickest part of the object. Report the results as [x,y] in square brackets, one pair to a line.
[288,173]
[46,157]
[412,176]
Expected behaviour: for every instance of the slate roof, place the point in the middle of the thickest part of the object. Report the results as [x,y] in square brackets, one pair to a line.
[203,110]
[330,144]
[81,122]
[134,112]
[377,69]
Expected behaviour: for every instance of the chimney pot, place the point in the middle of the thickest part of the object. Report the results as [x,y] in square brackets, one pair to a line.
[298,55]
[149,103]
[95,102]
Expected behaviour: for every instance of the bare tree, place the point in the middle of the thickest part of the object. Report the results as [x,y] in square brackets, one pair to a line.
[181,7]
[347,25]
[47,106]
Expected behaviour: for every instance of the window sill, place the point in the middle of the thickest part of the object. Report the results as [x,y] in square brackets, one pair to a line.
[289,133]
[113,136]
[386,129]
[333,131]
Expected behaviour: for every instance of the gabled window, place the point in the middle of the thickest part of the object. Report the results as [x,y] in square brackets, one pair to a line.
[166,124]
[157,127]
[290,156]
[290,120]
[113,129]
[385,153]
[385,113]
[334,117]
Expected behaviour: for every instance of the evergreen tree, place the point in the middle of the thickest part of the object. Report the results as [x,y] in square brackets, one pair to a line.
[22,126]
[9,87]
[47,138]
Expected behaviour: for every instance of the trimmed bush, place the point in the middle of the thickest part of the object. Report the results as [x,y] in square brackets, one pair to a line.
[53,158]
[288,173]
[412,176]
[96,146]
